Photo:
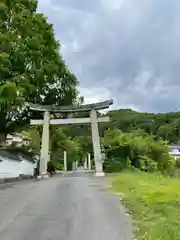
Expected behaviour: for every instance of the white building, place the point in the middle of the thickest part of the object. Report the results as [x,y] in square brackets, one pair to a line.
[12,166]
[17,139]
[175,151]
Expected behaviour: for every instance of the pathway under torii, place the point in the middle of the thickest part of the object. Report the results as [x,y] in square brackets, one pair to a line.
[69,110]
[75,206]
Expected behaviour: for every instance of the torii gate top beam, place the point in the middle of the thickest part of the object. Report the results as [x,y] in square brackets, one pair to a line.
[71,108]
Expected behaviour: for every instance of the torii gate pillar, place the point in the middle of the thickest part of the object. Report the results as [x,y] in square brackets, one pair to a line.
[44,158]
[96,144]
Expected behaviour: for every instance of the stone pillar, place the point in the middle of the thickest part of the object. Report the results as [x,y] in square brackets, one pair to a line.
[76,164]
[89,161]
[65,161]
[44,158]
[85,163]
[96,144]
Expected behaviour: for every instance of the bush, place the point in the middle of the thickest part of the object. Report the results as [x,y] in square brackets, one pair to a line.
[59,166]
[147,164]
[177,162]
[110,166]
[142,151]
[116,165]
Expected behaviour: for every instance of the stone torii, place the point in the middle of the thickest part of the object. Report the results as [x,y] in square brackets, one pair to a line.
[47,121]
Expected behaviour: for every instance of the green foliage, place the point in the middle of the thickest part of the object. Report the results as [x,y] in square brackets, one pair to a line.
[34,134]
[61,142]
[123,150]
[147,164]
[153,201]
[59,166]
[30,64]
[72,146]
[178,162]
[113,165]
[165,126]
[131,147]
[139,151]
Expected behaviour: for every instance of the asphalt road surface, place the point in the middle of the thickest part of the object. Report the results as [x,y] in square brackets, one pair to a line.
[71,207]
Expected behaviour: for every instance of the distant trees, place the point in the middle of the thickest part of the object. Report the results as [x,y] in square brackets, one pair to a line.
[165,126]
[132,147]
[130,139]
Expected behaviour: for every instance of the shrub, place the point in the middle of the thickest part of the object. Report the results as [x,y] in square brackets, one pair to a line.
[147,164]
[112,166]
[116,164]
[177,162]
[141,150]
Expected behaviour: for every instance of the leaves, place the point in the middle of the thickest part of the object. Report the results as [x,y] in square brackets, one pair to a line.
[142,151]
[164,126]
[31,67]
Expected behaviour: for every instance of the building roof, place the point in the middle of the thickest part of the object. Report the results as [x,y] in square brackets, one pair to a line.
[16,156]
[9,155]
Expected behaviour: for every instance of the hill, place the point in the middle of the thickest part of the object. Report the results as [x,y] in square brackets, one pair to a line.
[163,125]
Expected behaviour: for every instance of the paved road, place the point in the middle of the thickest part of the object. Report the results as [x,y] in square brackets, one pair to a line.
[73,207]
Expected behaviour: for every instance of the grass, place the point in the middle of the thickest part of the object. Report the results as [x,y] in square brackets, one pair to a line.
[154,202]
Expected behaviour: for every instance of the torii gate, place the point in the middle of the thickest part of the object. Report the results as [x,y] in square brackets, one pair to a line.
[94,120]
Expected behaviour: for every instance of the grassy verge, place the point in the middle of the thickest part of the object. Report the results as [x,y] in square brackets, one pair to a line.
[154,202]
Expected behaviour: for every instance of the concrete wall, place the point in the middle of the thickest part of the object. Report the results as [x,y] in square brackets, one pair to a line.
[13,168]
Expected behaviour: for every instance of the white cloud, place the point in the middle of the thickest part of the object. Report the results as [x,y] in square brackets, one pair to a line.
[93,95]
[126,49]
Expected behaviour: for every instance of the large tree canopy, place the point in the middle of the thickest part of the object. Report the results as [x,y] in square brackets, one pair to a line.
[31,67]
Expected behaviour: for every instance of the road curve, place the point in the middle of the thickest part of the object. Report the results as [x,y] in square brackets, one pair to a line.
[71,207]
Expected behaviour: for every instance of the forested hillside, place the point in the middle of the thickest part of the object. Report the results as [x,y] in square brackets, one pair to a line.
[164,125]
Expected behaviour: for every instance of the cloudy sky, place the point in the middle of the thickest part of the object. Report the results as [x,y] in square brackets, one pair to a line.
[128,50]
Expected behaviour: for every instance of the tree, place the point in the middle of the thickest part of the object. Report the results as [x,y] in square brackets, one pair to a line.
[140,150]
[34,134]
[165,131]
[31,67]
[162,125]
[60,141]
